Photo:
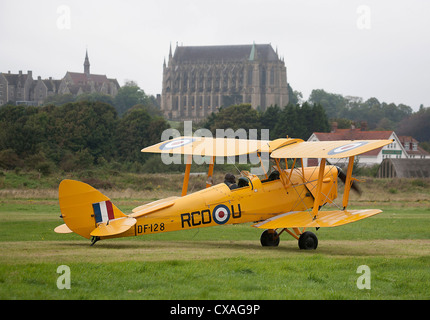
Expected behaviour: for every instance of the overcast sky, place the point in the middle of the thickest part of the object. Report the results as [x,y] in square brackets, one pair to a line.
[360,48]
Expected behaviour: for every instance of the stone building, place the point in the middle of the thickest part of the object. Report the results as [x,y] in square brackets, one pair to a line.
[79,83]
[43,88]
[16,88]
[198,80]
[23,89]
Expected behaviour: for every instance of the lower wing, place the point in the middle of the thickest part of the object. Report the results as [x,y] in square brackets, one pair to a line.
[300,219]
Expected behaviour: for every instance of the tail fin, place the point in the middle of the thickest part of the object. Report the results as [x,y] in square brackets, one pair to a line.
[85,210]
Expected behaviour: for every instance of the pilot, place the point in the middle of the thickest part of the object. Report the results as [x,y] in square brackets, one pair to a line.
[230,181]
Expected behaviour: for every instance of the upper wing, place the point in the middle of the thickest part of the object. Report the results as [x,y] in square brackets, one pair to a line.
[223,147]
[328,149]
[279,148]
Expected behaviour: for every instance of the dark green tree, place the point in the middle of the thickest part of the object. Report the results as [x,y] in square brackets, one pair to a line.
[332,103]
[417,125]
[136,130]
[269,118]
[86,125]
[234,117]
[128,96]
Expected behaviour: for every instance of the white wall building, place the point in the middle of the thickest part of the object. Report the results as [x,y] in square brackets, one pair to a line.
[394,150]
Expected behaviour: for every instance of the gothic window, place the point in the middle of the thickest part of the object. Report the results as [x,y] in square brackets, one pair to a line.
[176,85]
[240,75]
[263,77]
[184,81]
[193,82]
[225,79]
[233,80]
[209,81]
[250,75]
[201,81]
[272,76]
[217,81]
[216,101]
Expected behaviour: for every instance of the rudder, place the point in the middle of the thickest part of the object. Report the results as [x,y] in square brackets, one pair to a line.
[83,207]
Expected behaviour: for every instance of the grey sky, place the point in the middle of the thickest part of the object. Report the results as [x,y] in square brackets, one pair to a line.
[361,48]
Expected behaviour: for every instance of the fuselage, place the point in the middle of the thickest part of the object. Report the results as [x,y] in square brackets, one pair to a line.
[218,205]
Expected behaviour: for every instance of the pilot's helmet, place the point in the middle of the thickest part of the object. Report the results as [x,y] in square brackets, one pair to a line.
[230,178]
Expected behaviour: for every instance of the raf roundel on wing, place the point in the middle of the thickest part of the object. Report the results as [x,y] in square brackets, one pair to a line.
[176,143]
[346,147]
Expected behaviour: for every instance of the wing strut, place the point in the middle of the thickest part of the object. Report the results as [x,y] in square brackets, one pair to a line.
[209,181]
[317,200]
[187,175]
[348,182]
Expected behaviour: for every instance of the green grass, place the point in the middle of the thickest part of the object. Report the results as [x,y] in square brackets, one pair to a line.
[306,277]
[225,262]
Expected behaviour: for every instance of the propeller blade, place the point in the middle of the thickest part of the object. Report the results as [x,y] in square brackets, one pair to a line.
[342,176]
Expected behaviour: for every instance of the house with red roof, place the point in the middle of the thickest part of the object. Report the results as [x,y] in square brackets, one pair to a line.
[394,150]
[412,148]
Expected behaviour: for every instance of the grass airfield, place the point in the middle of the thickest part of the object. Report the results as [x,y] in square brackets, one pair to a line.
[225,262]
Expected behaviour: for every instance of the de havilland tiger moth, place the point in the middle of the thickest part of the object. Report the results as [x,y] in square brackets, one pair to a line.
[288,199]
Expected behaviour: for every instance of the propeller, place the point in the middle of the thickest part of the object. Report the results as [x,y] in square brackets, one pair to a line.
[342,176]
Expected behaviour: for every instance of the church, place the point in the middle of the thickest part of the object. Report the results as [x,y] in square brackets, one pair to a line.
[198,80]
[77,83]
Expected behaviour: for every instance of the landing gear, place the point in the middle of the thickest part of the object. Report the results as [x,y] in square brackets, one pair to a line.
[269,238]
[94,240]
[308,241]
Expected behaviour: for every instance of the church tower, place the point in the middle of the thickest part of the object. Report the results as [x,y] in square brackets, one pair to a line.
[87,64]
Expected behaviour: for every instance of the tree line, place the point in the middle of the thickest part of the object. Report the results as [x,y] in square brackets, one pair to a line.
[347,110]
[128,96]
[75,135]
[83,134]
[377,115]
[93,132]
[294,120]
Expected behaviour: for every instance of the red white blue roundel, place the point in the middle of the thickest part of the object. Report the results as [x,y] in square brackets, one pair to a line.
[346,147]
[176,143]
[221,214]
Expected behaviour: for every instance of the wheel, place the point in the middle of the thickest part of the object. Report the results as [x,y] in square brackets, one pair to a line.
[269,238]
[308,241]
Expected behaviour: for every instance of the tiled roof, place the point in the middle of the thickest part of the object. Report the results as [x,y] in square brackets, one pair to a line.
[410,140]
[81,78]
[224,53]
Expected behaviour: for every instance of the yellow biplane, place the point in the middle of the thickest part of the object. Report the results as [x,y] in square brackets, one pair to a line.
[287,199]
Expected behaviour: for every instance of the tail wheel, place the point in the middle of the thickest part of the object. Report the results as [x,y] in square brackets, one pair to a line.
[269,238]
[308,241]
